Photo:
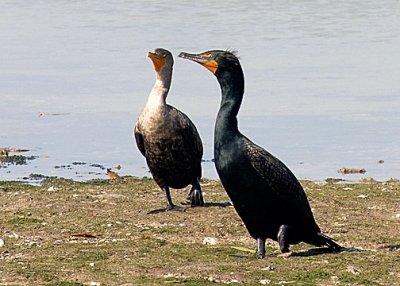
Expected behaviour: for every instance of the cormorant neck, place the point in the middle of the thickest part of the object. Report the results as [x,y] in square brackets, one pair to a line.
[159,92]
[232,89]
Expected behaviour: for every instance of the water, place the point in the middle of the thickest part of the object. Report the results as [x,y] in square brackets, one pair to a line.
[322,81]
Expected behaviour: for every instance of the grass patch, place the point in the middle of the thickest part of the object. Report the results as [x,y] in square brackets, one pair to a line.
[100,231]
[16,159]
[23,220]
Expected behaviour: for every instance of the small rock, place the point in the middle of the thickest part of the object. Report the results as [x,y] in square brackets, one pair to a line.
[2,242]
[230,281]
[210,241]
[13,235]
[265,281]
[286,282]
[91,264]
[268,268]
[353,270]
[347,189]
[362,196]
[168,275]
[397,216]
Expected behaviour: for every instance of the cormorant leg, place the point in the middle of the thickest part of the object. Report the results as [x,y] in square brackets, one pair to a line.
[260,248]
[283,239]
[195,195]
[170,204]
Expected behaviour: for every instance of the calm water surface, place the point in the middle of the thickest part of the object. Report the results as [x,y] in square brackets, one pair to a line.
[322,81]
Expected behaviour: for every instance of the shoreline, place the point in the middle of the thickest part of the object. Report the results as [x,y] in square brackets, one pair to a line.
[37,179]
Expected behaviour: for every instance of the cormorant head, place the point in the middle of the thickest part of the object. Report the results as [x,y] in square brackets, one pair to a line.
[162,59]
[216,61]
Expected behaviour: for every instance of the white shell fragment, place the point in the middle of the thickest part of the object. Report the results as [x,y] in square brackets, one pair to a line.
[210,241]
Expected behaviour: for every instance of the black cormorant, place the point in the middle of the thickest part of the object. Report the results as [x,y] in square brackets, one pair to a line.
[265,193]
[168,138]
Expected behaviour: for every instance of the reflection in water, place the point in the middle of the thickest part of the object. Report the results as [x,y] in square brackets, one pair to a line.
[321,81]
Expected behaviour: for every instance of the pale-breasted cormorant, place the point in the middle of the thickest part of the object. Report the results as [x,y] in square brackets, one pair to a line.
[265,193]
[167,138]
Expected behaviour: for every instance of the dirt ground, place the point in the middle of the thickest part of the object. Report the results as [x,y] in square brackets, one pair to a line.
[99,233]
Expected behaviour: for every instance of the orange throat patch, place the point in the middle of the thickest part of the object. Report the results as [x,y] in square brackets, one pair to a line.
[158,62]
[211,66]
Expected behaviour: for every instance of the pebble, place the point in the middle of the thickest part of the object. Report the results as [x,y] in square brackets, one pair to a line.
[265,281]
[13,235]
[52,189]
[230,281]
[2,242]
[362,196]
[353,270]
[210,241]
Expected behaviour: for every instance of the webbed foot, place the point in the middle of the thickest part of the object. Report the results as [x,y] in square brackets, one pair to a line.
[195,196]
[283,239]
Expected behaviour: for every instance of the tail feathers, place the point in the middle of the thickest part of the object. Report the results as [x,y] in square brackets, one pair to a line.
[324,240]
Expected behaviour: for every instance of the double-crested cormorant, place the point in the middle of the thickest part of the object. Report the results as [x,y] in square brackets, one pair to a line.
[265,193]
[168,138]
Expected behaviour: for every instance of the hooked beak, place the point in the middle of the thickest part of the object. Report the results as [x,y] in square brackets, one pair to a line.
[203,59]
[158,61]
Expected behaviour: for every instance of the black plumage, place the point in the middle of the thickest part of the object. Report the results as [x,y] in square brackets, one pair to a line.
[265,193]
[168,139]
